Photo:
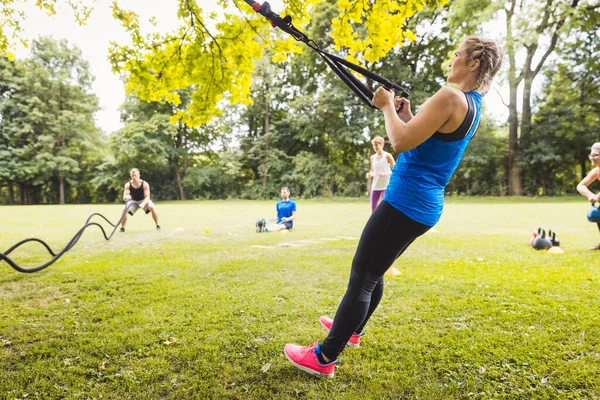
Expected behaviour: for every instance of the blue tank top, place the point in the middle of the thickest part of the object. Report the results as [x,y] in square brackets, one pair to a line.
[420,175]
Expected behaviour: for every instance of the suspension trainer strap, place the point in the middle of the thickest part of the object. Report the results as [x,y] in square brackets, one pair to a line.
[339,65]
[69,246]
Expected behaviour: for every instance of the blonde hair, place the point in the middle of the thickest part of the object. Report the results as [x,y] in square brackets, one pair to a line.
[378,139]
[595,146]
[133,170]
[489,54]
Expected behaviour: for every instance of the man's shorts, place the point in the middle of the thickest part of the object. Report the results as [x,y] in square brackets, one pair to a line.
[135,205]
[287,224]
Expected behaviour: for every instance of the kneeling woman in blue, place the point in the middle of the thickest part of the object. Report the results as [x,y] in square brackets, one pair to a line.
[430,146]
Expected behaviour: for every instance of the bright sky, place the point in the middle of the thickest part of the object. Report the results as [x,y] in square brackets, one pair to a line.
[93,40]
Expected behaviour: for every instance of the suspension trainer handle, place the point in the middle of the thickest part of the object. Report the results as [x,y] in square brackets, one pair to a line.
[371,75]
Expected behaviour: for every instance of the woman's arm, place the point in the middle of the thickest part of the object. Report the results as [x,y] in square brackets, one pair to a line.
[370,173]
[433,114]
[391,162]
[582,187]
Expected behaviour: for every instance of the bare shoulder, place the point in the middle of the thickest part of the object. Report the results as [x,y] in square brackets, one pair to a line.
[127,186]
[444,99]
[442,103]
[146,184]
[449,94]
[593,173]
[590,177]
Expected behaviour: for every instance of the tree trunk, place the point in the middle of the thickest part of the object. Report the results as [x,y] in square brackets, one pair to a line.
[514,173]
[266,134]
[174,160]
[583,165]
[61,189]
[185,165]
[526,115]
[178,180]
[11,193]
[527,74]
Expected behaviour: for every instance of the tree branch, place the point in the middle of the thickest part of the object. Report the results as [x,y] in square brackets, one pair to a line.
[193,14]
[554,39]
[501,98]
[249,23]
[544,23]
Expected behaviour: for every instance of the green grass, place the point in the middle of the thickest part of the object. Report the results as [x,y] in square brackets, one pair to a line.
[182,314]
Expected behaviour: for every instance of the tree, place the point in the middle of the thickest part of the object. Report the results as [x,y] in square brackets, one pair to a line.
[61,110]
[47,121]
[533,28]
[12,18]
[214,55]
[13,166]
[217,63]
[568,118]
[160,149]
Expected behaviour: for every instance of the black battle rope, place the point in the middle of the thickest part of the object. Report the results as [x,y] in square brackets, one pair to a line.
[337,64]
[69,246]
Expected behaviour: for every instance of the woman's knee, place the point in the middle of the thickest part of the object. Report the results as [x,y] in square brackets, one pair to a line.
[363,284]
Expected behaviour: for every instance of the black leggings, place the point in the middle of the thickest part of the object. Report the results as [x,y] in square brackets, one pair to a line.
[387,234]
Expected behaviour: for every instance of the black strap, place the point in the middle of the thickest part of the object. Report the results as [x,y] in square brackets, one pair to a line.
[337,64]
[464,128]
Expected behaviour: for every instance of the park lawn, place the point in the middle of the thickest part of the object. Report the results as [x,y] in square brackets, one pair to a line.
[203,308]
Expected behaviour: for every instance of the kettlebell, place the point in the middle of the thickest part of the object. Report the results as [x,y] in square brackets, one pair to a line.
[260,225]
[541,242]
[553,239]
[594,214]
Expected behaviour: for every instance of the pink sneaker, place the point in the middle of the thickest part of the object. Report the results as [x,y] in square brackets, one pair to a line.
[354,339]
[305,358]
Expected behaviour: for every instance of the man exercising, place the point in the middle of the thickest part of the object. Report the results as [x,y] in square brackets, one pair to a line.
[137,192]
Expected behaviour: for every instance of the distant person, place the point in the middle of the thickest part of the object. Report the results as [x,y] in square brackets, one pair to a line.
[286,213]
[592,176]
[382,164]
[138,193]
[430,145]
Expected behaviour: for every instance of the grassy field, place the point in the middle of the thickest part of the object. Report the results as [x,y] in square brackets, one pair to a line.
[202,309]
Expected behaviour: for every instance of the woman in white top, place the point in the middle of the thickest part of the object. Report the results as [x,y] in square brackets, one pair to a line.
[382,164]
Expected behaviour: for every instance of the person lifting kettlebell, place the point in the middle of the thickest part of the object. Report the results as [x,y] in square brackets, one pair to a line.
[582,187]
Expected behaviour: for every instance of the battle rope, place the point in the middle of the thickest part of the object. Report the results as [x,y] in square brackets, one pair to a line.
[69,246]
[337,64]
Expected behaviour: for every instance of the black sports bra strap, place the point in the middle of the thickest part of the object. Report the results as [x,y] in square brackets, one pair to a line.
[464,128]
